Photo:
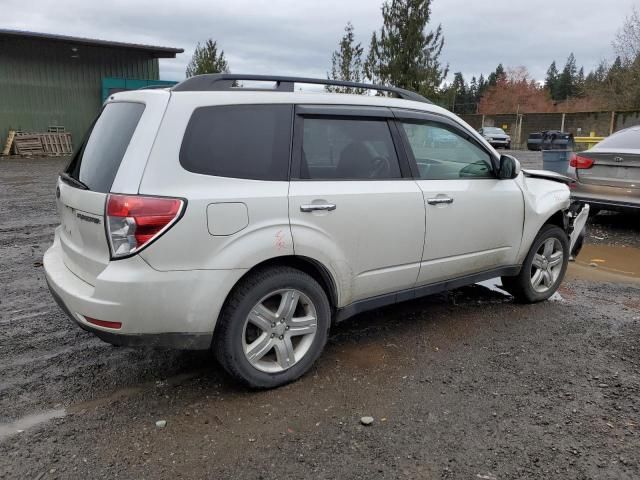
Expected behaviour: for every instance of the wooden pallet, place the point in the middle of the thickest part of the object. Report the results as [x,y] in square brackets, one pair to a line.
[57,143]
[9,143]
[28,144]
[51,144]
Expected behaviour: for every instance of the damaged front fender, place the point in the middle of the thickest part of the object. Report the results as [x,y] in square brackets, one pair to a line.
[575,224]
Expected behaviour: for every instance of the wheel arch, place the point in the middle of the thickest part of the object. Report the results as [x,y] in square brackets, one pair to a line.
[558,219]
[310,266]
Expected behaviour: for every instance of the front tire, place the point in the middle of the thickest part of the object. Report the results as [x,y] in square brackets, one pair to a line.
[273,327]
[543,269]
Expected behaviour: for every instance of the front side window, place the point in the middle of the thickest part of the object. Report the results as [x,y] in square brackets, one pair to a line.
[443,154]
[348,149]
[239,141]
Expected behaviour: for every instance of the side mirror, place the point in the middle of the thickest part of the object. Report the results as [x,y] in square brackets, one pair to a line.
[509,167]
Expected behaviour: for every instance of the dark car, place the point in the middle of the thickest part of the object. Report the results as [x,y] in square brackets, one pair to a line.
[550,140]
[496,137]
[534,142]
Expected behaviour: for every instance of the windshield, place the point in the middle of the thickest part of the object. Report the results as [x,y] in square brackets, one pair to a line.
[494,130]
[98,159]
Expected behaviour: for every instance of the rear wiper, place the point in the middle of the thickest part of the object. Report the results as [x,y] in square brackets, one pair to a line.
[73,181]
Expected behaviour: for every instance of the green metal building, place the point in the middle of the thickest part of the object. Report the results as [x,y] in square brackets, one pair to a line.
[54,80]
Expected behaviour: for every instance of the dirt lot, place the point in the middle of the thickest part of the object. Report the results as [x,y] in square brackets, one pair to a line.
[461,385]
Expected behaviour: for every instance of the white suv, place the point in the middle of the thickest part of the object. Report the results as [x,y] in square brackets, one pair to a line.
[247,221]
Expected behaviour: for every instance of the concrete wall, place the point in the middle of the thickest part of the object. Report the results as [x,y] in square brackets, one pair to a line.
[581,124]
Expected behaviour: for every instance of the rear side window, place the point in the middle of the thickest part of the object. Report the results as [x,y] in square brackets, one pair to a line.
[239,141]
[98,160]
[348,149]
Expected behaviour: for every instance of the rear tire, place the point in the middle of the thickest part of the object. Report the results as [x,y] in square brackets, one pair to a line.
[273,327]
[543,269]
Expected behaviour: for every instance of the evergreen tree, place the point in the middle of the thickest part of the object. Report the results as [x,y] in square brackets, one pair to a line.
[580,83]
[472,95]
[482,87]
[372,63]
[460,93]
[403,54]
[495,76]
[207,60]
[567,80]
[551,80]
[346,63]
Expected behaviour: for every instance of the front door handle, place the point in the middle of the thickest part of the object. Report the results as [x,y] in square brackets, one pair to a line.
[313,207]
[439,200]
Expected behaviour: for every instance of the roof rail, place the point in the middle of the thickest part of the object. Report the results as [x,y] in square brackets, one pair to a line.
[227,81]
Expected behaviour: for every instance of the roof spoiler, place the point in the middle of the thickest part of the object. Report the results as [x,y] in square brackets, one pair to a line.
[229,81]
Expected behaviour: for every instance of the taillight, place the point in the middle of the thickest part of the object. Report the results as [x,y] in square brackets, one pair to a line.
[581,162]
[134,220]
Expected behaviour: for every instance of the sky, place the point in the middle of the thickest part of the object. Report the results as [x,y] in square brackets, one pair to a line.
[297,37]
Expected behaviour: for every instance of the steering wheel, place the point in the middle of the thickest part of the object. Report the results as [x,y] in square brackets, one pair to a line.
[476,169]
[381,167]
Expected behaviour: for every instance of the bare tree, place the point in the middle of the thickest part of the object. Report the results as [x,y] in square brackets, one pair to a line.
[627,41]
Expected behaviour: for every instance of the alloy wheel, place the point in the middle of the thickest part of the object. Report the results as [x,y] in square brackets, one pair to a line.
[279,330]
[547,265]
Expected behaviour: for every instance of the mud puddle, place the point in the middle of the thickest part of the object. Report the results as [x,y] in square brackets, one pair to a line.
[607,263]
[21,424]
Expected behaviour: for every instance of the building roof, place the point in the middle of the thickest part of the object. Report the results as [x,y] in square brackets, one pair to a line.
[159,52]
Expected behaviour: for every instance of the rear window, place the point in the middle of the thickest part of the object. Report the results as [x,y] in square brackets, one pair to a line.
[629,138]
[98,160]
[239,141]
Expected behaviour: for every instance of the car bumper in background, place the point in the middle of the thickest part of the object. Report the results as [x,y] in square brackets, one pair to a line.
[176,309]
[606,197]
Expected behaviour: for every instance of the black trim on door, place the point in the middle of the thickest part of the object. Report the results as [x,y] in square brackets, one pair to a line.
[353,112]
[422,291]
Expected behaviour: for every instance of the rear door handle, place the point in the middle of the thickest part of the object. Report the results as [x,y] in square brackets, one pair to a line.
[313,207]
[439,200]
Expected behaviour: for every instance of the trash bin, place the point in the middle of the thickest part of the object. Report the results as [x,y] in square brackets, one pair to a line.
[556,151]
[556,160]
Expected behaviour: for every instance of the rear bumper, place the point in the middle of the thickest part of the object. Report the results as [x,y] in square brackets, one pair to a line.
[606,197]
[606,203]
[176,309]
[181,341]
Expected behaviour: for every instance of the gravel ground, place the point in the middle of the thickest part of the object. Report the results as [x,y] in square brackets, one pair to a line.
[465,385]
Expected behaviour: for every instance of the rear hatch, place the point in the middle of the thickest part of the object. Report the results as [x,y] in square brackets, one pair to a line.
[83,187]
[610,169]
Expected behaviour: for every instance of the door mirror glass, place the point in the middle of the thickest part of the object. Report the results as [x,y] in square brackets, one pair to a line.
[509,167]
